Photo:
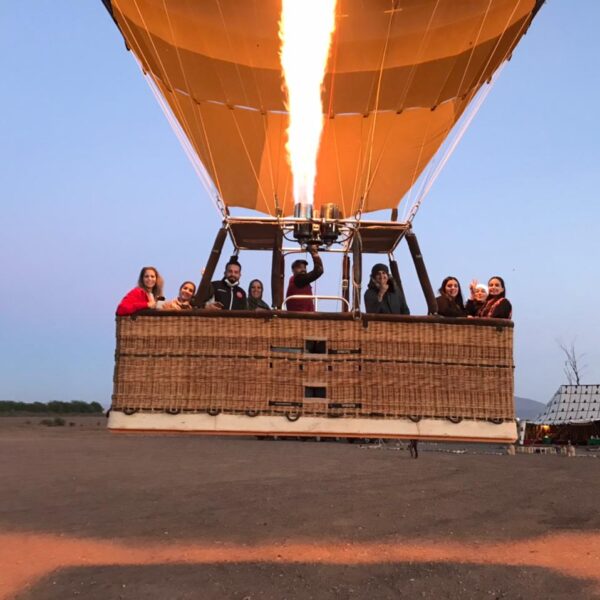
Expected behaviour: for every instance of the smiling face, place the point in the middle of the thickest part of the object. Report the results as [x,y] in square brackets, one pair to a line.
[451,288]
[149,279]
[495,286]
[233,273]
[187,291]
[256,290]
[381,277]
[480,294]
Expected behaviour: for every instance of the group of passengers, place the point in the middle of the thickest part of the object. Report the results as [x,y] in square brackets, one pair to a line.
[225,293]
[384,294]
[485,301]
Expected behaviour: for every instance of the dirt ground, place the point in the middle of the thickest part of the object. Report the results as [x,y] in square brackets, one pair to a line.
[89,514]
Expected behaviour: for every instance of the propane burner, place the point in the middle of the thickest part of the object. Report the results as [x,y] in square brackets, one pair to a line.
[323,230]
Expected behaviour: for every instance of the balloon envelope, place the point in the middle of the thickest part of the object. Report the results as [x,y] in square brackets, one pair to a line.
[400,75]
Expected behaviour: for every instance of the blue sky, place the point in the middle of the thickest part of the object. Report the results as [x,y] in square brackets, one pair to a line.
[95,185]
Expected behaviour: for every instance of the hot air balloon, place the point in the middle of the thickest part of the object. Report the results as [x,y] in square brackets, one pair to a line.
[400,81]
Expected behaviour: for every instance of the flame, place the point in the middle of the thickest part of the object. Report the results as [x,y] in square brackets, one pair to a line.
[305,31]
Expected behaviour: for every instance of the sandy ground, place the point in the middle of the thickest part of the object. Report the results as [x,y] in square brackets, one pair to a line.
[85,513]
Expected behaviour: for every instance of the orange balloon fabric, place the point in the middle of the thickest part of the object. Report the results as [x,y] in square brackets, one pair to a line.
[400,75]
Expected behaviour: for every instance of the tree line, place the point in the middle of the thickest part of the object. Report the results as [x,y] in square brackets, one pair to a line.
[55,406]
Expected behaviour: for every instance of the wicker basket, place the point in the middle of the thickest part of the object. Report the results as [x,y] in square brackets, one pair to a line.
[327,365]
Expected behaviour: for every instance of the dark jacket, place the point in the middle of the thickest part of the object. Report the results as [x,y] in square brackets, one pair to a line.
[232,298]
[256,303]
[393,302]
[496,308]
[447,307]
[472,307]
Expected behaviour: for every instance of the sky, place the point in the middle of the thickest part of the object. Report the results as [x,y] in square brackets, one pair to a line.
[95,185]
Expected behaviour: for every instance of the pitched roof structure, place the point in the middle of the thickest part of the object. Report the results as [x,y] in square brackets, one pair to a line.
[572,404]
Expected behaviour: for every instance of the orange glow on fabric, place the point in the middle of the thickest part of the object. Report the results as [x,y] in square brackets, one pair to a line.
[305,31]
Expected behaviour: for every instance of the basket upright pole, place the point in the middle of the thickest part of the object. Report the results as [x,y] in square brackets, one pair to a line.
[415,252]
[346,282]
[396,276]
[277,271]
[202,295]
[356,270]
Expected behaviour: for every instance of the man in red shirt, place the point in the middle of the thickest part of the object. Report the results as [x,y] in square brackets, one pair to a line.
[300,282]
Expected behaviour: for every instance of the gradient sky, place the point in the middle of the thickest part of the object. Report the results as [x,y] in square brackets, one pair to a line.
[95,185]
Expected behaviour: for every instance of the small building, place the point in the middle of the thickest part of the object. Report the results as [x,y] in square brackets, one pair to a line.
[573,415]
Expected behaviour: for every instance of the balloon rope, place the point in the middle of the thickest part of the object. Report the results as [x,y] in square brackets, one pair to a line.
[371,141]
[272,170]
[177,127]
[196,110]
[429,181]
[419,57]
[520,32]
[431,178]
[188,87]
[269,207]
[165,74]
[338,169]
[475,43]
[331,113]
[404,93]
[190,152]
[413,69]
[260,188]
[371,176]
[428,168]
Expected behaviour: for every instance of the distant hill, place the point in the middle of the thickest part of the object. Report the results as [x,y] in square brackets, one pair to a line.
[528,409]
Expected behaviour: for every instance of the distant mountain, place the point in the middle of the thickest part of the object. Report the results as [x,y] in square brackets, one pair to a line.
[528,409]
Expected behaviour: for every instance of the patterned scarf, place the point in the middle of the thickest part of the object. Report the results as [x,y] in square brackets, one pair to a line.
[487,310]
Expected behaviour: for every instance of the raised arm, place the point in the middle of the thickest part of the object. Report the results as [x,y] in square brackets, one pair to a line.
[302,279]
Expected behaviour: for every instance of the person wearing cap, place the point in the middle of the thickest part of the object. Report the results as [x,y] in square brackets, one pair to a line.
[479,294]
[383,295]
[300,281]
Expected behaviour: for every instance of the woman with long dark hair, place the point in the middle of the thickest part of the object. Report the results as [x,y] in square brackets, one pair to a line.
[450,301]
[497,305]
[145,295]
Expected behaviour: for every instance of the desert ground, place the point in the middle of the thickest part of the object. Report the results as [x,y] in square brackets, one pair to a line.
[89,514]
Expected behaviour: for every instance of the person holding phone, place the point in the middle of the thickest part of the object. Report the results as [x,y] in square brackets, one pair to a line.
[383,295]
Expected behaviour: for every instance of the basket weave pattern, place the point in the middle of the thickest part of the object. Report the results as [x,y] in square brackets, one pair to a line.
[318,367]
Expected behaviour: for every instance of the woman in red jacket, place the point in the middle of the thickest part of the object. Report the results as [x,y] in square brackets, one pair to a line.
[148,291]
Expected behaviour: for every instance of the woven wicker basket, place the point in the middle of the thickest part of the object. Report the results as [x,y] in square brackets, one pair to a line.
[326,365]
